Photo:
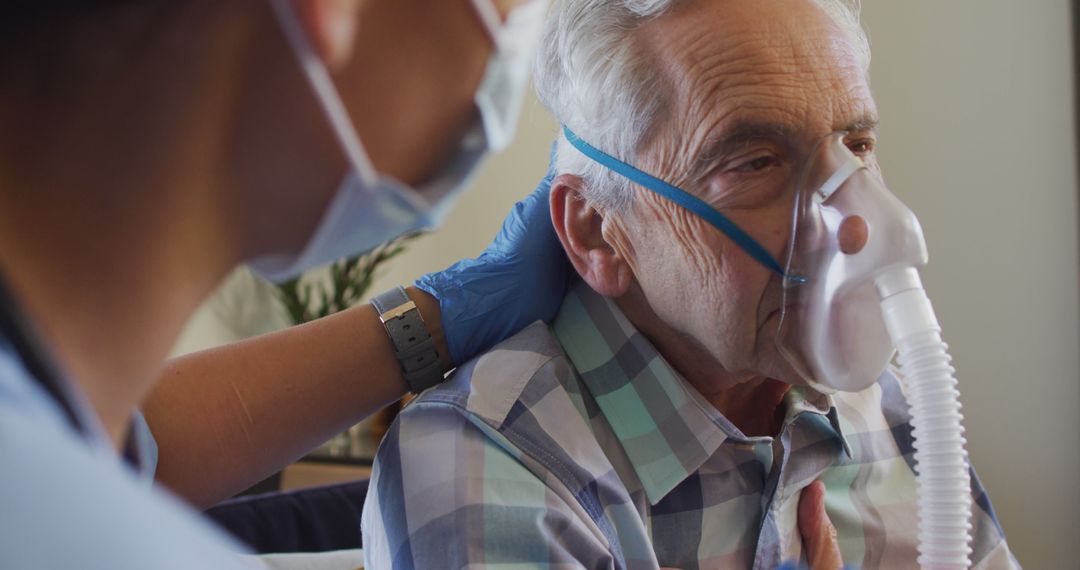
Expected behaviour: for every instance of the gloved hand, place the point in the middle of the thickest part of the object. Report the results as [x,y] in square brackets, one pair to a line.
[520,278]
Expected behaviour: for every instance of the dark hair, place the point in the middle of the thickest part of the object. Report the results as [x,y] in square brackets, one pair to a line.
[39,39]
[20,17]
[28,11]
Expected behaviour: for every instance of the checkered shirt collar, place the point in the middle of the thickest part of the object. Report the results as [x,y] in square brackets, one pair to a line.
[666,427]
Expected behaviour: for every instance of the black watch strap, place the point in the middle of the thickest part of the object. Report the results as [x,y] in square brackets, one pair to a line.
[413,345]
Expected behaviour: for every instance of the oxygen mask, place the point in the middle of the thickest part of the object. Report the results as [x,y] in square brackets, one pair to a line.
[847,231]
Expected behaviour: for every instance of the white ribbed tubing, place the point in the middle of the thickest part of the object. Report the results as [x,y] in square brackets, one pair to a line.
[941,461]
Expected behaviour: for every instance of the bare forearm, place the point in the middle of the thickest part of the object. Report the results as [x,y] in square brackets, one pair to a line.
[227,417]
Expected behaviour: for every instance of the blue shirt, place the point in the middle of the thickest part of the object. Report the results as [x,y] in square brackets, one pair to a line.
[68,500]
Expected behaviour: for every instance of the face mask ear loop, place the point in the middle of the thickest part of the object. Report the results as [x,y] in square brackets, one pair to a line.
[684,199]
[326,93]
[490,18]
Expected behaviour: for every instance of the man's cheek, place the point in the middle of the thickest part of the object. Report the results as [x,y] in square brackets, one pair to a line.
[674,288]
[716,295]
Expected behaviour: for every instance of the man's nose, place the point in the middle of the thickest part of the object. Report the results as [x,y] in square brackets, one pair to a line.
[852,234]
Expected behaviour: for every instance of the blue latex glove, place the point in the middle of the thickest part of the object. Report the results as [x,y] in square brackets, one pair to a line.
[520,278]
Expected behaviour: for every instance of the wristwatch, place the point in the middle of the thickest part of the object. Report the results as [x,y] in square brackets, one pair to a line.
[413,345]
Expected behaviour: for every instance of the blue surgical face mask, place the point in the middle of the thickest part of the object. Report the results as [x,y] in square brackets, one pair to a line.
[368,208]
[682,198]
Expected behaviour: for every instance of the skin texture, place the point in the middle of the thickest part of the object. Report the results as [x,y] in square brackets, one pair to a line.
[780,74]
[159,145]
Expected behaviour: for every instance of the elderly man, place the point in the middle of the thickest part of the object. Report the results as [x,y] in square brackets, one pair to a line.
[655,423]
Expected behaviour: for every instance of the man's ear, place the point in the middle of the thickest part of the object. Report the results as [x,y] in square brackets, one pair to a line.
[580,229]
[331,25]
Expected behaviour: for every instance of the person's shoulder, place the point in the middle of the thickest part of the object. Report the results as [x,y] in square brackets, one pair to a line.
[522,397]
[496,454]
[512,373]
[70,503]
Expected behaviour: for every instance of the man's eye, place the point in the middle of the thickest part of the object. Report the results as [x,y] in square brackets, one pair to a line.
[862,147]
[758,164]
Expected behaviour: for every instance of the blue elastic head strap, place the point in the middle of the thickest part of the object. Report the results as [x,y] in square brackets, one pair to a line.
[680,197]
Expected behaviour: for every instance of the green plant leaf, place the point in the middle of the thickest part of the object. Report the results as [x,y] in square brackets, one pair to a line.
[349,281]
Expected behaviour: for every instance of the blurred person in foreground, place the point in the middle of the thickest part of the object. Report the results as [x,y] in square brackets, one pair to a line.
[147,148]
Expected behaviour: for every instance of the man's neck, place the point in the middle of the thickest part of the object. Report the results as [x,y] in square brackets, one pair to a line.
[756,407]
[754,404]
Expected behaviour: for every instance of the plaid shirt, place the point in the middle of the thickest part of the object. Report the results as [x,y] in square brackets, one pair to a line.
[581,446]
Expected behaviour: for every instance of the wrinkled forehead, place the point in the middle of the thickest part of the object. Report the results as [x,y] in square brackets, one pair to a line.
[784,65]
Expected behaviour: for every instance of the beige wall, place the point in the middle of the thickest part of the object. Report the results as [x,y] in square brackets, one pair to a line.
[977,137]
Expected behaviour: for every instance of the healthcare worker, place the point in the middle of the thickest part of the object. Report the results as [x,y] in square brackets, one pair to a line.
[147,147]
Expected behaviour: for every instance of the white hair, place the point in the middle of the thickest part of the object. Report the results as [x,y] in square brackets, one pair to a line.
[599,83]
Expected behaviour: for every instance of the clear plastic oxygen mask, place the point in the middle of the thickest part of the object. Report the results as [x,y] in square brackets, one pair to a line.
[848,231]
